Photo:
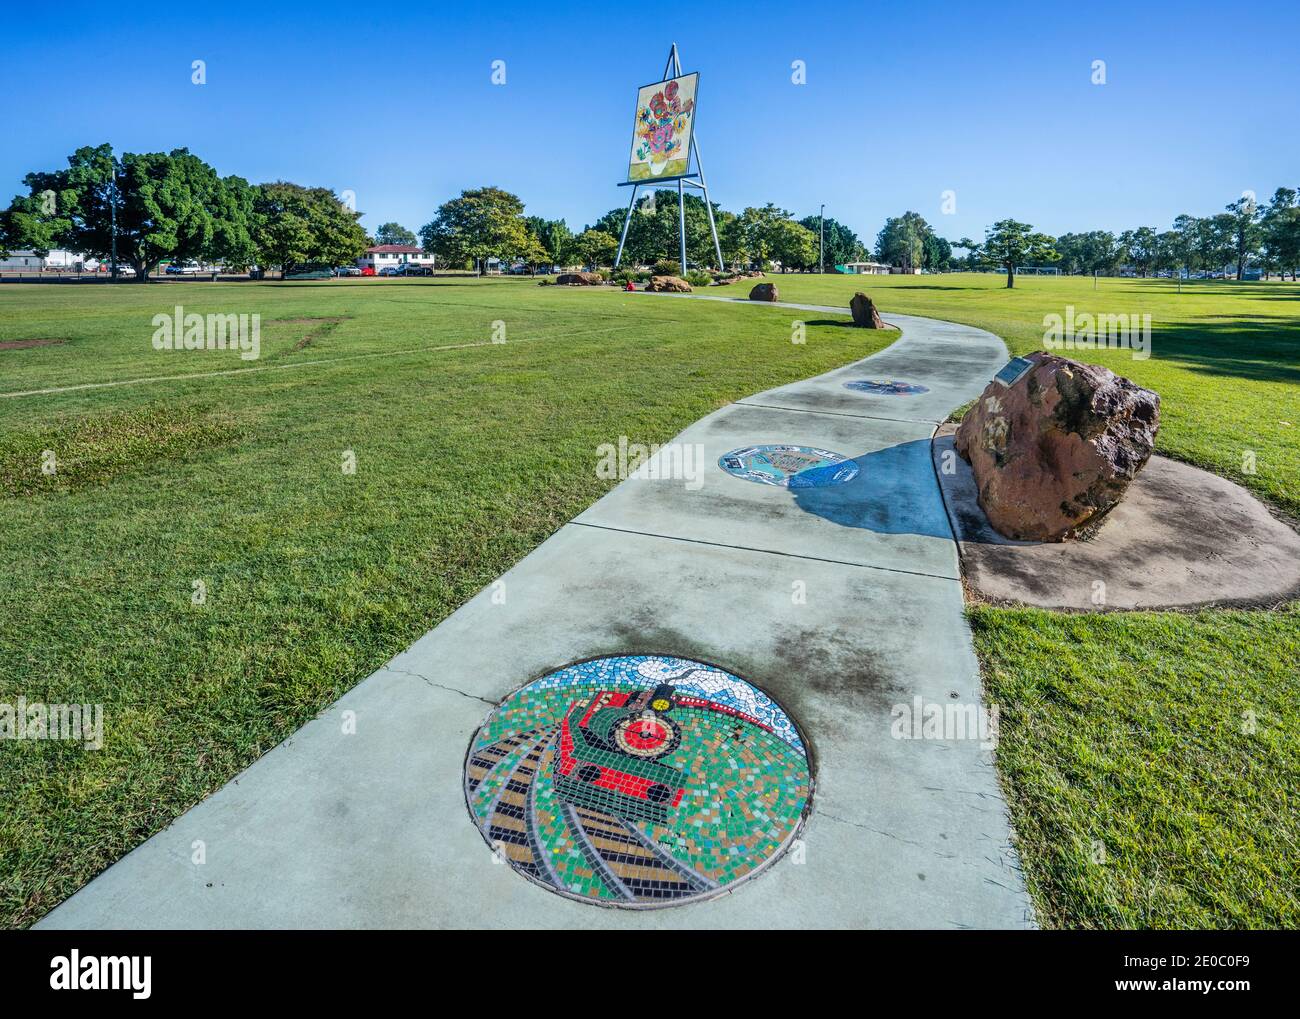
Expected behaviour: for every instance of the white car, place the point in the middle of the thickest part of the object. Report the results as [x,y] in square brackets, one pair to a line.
[388,270]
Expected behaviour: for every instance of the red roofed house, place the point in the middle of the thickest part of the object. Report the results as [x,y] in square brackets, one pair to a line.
[393,255]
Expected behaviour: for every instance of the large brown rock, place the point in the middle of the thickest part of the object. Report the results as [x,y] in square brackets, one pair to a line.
[579,279]
[764,292]
[668,285]
[1057,448]
[864,312]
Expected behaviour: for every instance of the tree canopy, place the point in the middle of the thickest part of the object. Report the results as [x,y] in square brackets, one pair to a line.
[553,235]
[1011,244]
[296,225]
[482,223]
[169,205]
[394,233]
[841,243]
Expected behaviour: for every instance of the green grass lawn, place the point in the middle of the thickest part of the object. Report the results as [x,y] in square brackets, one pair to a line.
[465,460]
[1124,731]
[1225,356]
[1127,731]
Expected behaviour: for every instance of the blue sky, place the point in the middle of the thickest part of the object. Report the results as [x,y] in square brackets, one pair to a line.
[902,102]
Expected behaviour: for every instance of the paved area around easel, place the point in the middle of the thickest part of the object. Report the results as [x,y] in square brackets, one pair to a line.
[370,828]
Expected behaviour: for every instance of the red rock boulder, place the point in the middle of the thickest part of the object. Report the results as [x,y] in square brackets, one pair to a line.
[667,285]
[579,279]
[864,312]
[764,292]
[1056,449]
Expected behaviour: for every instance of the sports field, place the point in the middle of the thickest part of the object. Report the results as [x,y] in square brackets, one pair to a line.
[209,475]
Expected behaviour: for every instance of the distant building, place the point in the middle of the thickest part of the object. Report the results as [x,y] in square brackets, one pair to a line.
[30,261]
[385,255]
[866,268]
[899,270]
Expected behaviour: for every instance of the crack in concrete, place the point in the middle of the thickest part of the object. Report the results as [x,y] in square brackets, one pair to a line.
[439,686]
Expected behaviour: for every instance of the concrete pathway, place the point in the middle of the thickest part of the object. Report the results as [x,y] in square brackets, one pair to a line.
[370,828]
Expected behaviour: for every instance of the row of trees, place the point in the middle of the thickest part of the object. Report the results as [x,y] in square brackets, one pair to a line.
[153,207]
[487,222]
[1245,233]
[175,207]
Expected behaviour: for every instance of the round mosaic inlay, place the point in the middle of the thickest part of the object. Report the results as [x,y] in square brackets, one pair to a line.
[789,466]
[638,780]
[886,387]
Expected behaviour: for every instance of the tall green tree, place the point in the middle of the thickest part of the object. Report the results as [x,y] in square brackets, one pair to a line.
[936,254]
[901,241]
[767,236]
[553,235]
[1185,242]
[594,248]
[1010,244]
[234,224]
[1140,248]
[482,223]
[394,233]
[1246,233]
[169,205]
[792,244]
[732,239]
[1214,243]
[1280,227]
[299,226]
[841,243]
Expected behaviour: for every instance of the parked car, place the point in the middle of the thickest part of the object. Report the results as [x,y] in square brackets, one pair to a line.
[184,269]
[388,270]
[413,269]
[367,270]
[348,270]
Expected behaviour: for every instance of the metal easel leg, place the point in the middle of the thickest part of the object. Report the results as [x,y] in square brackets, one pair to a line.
[626,221]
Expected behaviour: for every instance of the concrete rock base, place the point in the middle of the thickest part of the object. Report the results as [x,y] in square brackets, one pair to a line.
[1181,538]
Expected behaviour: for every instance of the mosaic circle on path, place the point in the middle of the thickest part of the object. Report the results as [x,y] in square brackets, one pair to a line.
[638,780]
[887,387]
[789,466]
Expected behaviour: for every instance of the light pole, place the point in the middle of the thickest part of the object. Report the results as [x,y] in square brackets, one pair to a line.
[112,205]
[821,239]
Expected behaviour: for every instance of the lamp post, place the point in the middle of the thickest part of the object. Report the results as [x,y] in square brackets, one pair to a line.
[821,239]
[112,205]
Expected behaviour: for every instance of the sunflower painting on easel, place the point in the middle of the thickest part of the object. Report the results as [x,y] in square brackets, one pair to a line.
[661,142]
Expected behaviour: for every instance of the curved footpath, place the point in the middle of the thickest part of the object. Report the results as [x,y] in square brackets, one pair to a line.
[370,829]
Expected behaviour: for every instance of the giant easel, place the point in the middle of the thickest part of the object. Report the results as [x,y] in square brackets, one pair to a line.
[695,180]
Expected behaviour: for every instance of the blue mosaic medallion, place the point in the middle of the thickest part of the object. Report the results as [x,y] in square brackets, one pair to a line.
[789,466]
[638,780]
[886,387]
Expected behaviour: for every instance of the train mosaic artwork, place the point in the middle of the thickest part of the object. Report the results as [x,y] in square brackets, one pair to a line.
[638,780]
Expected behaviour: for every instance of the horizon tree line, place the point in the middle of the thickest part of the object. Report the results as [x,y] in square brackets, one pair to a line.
[175,207]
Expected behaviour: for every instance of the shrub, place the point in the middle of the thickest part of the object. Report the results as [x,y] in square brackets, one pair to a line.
[698,279]
[666,267]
